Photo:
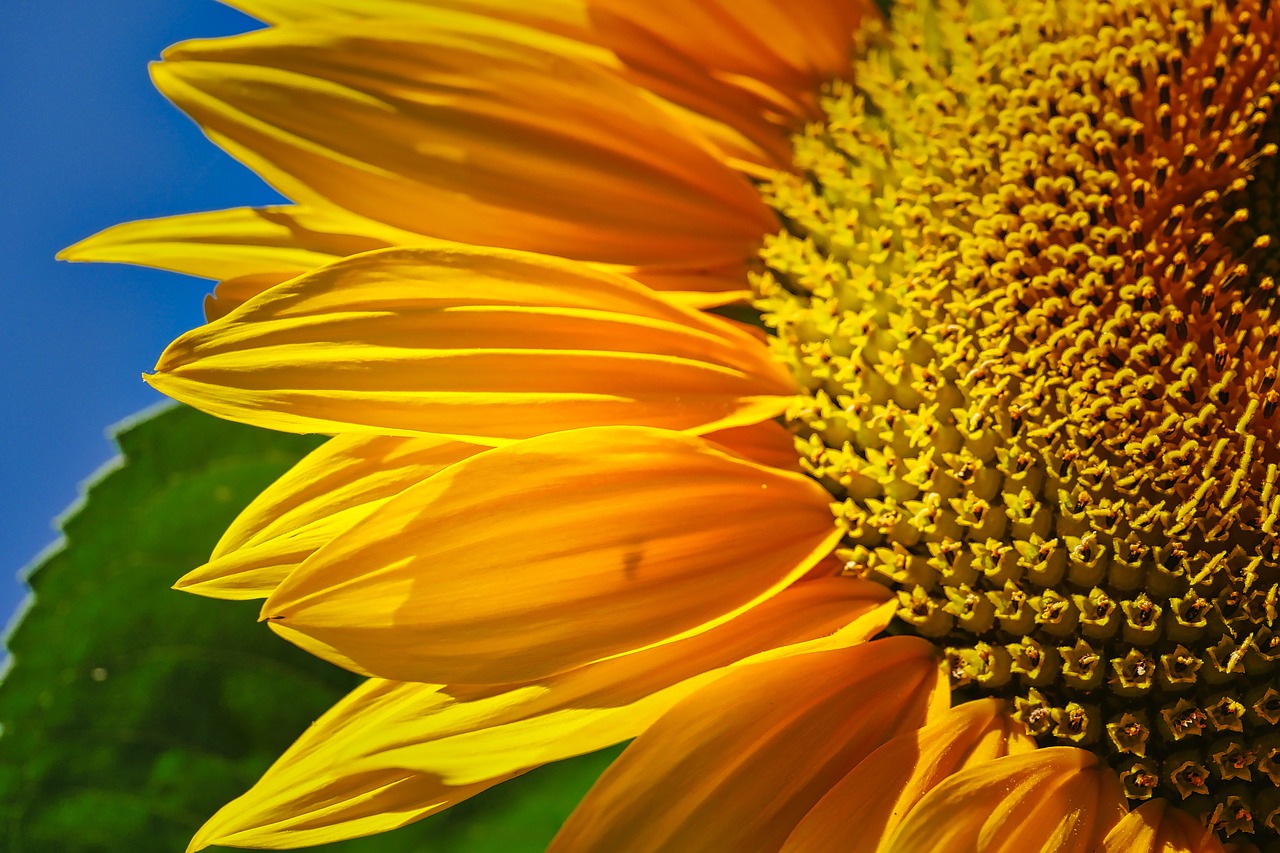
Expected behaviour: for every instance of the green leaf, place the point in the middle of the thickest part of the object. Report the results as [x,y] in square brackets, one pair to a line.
[132,712]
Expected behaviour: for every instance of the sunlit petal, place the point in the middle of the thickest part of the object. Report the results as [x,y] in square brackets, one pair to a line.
[751,753]
[444,744]
[1053,800]
[475,344]
[544,555]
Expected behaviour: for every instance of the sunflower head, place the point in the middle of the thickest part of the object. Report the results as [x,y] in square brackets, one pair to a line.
[1017,265]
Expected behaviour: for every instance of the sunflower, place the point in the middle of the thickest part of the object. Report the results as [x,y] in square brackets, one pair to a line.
[968,543]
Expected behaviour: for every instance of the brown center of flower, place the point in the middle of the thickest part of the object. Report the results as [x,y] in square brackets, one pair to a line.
[1028,285]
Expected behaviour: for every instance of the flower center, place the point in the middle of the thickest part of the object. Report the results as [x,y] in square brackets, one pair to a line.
[1028,285]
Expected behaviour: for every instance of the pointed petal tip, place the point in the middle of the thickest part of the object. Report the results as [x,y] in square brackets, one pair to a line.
[170,385]
[159,381]
[198,582]
[96,247]
[85,250]
[191,580]
[219,830]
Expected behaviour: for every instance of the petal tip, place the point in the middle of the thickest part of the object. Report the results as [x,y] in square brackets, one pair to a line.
[199,842]
[192,582]
[87,250]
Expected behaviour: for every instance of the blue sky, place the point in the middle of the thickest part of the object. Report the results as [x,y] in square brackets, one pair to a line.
[86,142]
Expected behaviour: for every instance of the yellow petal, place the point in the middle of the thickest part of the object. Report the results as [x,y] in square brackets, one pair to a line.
[739,763]
[345,480]
[222,244]
[473,130]
[1053,800]
[250,249]
[867,805]
[559,16]
[705,299]
[303,796]
[544,555]
[1158,827]
[324,495]
[477,344]
[447,743]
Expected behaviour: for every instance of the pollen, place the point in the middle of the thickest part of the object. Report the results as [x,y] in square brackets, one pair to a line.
[1028,285]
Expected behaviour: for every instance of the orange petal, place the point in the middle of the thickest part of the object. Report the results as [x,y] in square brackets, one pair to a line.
[705,69]
[1157,827]
[795,45]
[324,495]
[739,763]
[446,743]
[755,67]
[229,294]
[540,556]
[1054,800]
[477,344]
[611,700]
[866,806]
[538,148]
[767,442]
[708,282]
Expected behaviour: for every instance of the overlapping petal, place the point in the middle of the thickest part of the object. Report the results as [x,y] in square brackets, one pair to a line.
[447,743]
[475,344]
[757,81]
[728,94]
[323,496]
[247,250]
[1052,800]
[738,764]
[540,556]
[861,812]
[793,45]
[281,241]
[746,89]
[341,483]
[1157,827]
[767,442]
[472,130]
